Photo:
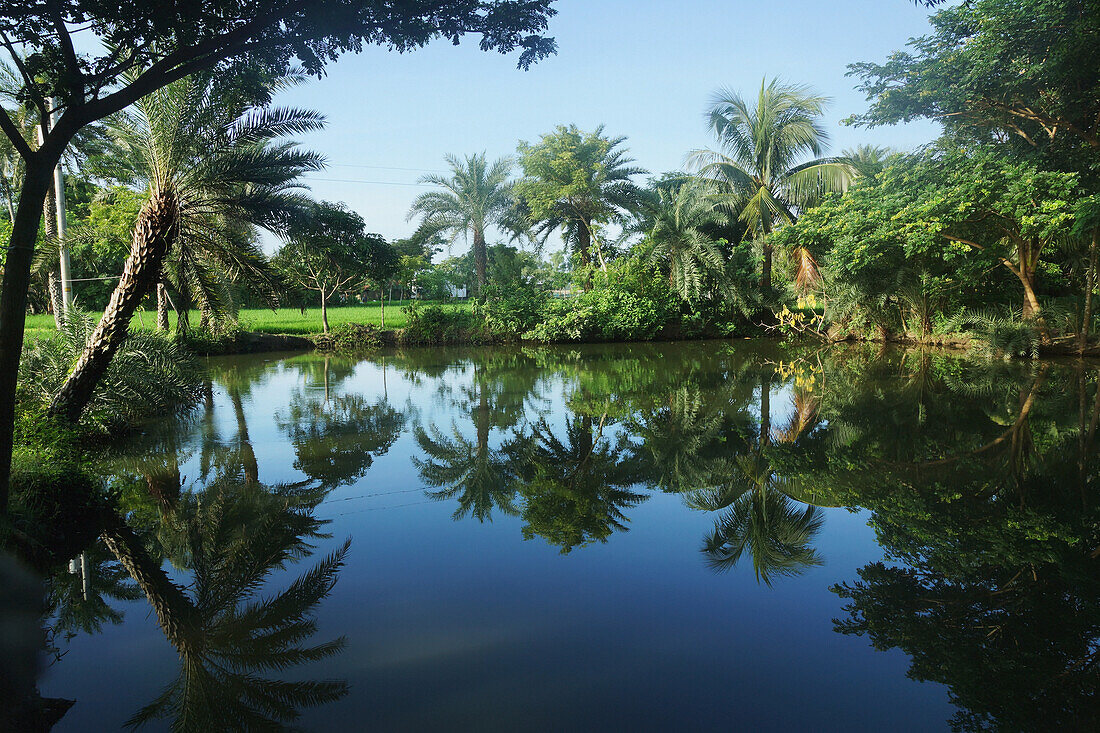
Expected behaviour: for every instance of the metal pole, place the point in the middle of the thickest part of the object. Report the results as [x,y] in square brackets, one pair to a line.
[59,197]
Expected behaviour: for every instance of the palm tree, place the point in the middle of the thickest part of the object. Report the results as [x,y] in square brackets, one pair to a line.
[678,238]
[868,160]
[475,196]
[213,164]
[760,165]
[576,181]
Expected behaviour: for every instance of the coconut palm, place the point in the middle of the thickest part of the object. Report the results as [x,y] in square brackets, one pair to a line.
[760,165]
[213,164]
[475,196]
[678,239]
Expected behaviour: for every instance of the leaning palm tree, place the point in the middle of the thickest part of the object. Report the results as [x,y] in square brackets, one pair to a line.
[475,196]
[212,163]
[761,168]
[679,240]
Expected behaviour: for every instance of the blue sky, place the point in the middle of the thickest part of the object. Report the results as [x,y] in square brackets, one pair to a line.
[644,68]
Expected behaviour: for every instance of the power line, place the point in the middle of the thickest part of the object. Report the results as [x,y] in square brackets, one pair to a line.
[384,167]
[360,180]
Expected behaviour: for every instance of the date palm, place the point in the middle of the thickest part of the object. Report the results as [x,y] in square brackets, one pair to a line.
[212,163]
[476,196]
[761,166]
[679,240]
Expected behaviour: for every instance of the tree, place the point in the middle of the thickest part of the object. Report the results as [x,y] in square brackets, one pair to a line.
[1006,70]
[328,252]
[476,195]
[759,168]
[577,182]
[678,239]
[168,44]
[212,166]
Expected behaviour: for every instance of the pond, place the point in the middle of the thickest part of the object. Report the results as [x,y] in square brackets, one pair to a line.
[728,535]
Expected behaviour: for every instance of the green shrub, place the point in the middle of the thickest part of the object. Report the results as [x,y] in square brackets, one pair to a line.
[355,337]
[630,302]
[436,324]
[511,312]
[150,375]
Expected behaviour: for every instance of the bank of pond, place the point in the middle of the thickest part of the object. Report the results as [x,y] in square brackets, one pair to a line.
[582,536]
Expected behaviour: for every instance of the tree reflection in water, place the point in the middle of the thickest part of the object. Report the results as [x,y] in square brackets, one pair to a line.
[979,479]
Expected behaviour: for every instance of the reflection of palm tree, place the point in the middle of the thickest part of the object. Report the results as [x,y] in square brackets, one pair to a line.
[232,537]
[470,470]
[761,519]
[574,489]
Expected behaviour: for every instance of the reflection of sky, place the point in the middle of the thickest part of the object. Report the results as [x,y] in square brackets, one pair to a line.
[454,625]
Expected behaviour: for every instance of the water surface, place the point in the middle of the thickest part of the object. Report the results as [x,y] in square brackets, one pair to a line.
[705,536]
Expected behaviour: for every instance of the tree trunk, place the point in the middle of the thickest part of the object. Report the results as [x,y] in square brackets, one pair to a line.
[765,410]
[175,613]
[244,443]
[1090,286]
[162,307]
[481,261]
[13,303]
[584,252]
[56,303]
[324,312]
[382,300]
[183,310]
[766,267]
[156,227]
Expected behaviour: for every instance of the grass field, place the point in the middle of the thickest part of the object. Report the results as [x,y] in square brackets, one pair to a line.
[287,320]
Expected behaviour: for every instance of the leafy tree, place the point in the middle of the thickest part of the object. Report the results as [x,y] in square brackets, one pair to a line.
[760,166]
[168,45]
[476,195]
[999,69]
[577,182]
[329,252]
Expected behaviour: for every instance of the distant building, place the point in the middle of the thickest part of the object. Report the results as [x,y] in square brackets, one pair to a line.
[456,292]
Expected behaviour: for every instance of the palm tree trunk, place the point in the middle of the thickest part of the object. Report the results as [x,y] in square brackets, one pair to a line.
[56,304]
[481,261]
[244,443]
[766,266]
[584,252]
[176,614]
[162,307]
[156,227]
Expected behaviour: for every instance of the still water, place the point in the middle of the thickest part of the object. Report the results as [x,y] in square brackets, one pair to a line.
[707,536]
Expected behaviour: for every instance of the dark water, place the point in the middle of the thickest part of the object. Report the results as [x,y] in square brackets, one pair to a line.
[706,536]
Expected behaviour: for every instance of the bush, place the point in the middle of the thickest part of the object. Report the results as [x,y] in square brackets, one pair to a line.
[435,324]
[357,337]
[511,312]
[630,302]
[149,375]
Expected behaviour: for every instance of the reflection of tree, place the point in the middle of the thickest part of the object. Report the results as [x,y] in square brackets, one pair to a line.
[574,489]
[992,541]
[480,477]
[80,604]
[760,518]
[336,440]
[232,536]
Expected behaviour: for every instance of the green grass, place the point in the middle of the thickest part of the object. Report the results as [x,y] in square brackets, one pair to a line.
[286,320]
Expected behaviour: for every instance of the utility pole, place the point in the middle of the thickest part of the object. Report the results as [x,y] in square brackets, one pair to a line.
[59,205]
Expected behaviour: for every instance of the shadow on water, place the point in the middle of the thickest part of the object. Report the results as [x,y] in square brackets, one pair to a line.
[979,480]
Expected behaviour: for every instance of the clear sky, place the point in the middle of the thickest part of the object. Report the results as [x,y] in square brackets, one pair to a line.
[644,68]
